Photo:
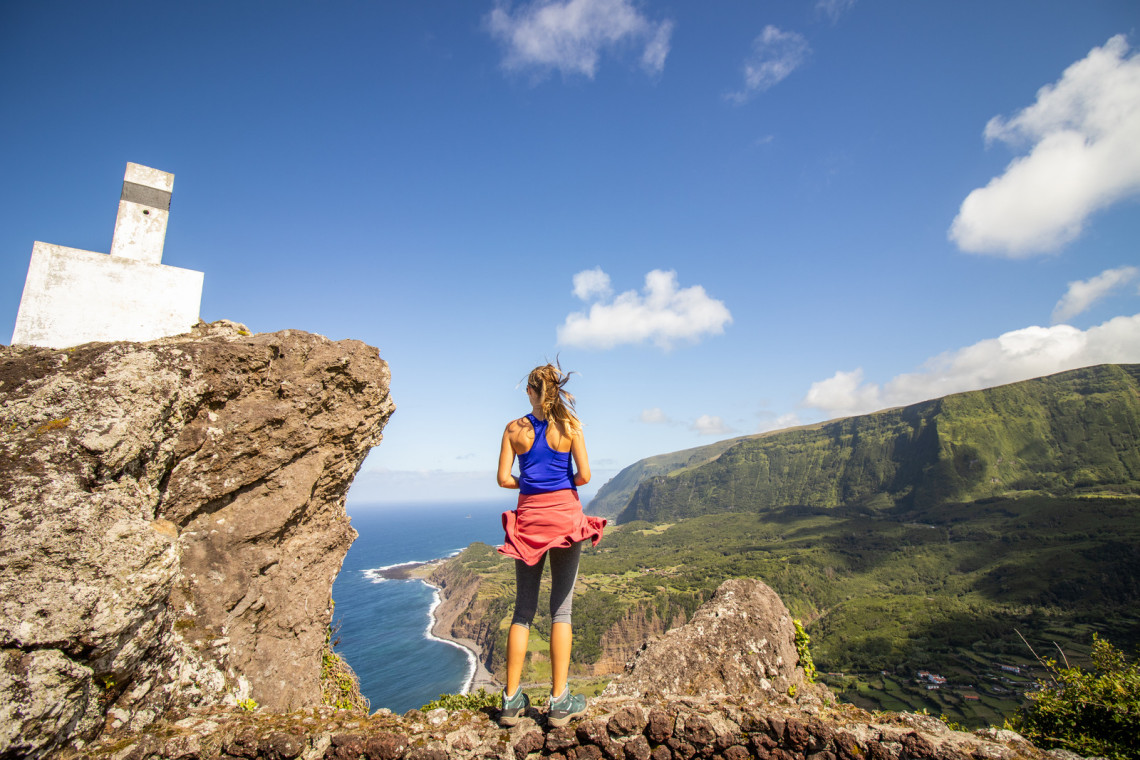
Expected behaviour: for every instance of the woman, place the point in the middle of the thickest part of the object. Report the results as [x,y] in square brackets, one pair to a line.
[548,520]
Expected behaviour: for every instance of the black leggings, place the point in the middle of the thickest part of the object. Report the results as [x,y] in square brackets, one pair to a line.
[563,574]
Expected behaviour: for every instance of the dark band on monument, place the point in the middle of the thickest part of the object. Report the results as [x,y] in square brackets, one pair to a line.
[146,196]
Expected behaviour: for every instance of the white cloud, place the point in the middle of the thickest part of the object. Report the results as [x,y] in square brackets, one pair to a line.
[571,35]
[592,283]
[841,392]
[1017,355]
[662,314]
[653,58]
[772,422]
[1084,156]
[707,424]
[1084,293]
[834,9]
[653,416]
[775,55]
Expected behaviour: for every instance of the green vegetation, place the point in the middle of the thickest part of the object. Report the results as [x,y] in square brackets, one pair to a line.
[476,700]
[802,649]
[1091,712]
[340,687]
[248,705]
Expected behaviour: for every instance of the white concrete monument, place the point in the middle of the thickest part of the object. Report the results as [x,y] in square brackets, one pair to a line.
[73,296]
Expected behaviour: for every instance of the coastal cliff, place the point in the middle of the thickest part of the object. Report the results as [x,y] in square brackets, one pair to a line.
[622,640]
[470,610]
[171,523]
[475,604]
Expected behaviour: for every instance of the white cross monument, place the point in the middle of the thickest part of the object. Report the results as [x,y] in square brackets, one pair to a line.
[73,296]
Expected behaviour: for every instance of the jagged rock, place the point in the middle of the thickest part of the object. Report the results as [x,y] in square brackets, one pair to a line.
[620,642]
[171,522]
[739,643]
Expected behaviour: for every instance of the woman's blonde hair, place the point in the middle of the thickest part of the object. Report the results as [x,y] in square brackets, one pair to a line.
[549,384]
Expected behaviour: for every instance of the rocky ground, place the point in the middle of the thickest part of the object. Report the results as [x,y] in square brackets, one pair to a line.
[613,728]
[681,711]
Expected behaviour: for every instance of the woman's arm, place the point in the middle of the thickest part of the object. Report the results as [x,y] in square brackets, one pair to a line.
[581,460]
[506,462]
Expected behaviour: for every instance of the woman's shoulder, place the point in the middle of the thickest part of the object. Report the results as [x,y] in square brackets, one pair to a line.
[519,425]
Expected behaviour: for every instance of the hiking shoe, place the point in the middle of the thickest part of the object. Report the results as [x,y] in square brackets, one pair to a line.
[564,708]
[513,707]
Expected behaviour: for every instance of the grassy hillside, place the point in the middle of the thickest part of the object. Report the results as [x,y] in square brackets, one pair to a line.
[1070,433]
[944,589]
[614,495]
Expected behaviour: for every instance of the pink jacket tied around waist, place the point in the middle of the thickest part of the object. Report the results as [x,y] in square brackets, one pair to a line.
[545,521]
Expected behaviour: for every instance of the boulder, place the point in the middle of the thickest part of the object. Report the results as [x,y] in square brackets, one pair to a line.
[740,643]
[171,523]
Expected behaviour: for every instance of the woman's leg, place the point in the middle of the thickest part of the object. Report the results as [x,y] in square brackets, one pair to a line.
[526,604]
[560,643]
[517,640]
[563,574]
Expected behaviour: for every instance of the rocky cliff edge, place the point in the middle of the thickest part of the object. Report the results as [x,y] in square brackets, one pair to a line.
[171,523]
[660,709]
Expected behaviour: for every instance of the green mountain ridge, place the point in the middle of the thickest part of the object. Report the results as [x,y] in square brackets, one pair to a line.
[612,497]
[1069,433]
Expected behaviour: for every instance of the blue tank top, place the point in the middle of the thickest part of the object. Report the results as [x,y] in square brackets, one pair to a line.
[542,469]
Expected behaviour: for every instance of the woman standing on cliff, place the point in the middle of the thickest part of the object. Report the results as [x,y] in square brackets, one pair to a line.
[548,520]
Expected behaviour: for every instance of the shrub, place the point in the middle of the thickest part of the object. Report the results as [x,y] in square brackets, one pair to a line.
[1090,712]
[802,642]
[340,688]
[476,700]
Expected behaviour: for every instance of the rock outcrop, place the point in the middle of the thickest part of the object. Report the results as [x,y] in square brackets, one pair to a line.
[740,643]
[651,726]
[171,522]
[623,639]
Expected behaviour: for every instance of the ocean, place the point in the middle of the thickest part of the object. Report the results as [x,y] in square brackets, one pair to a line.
[382,625]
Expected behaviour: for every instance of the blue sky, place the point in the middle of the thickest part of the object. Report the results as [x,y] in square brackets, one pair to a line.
[727,217]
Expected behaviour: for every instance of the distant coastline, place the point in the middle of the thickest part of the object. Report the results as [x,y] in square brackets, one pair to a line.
[477,674]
